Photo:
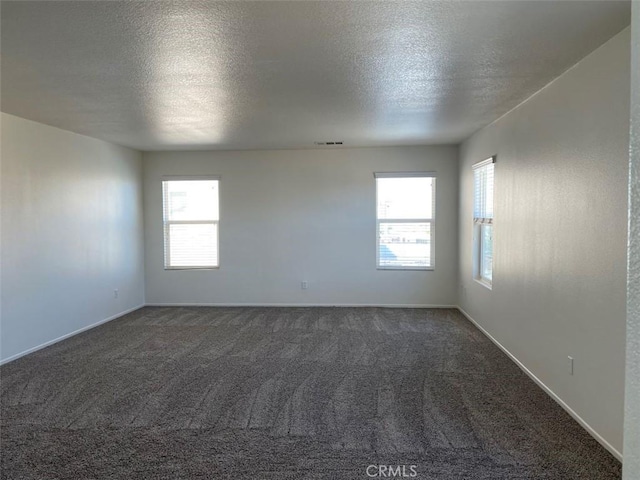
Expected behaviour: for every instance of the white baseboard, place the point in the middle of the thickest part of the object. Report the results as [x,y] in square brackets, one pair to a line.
[63,337]
[549,392]
[378,305]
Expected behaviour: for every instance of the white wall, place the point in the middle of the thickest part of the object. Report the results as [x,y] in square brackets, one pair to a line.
[293,215]
[632,404]
[71,233]
[560,235]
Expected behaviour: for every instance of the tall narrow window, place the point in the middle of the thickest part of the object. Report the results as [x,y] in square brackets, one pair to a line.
[483,220]
[191,217]
[405,220]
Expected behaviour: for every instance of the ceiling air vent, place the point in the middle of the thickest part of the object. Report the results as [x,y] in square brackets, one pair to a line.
[328,143]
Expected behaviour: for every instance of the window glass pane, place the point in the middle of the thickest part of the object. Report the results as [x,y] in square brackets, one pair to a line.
[404,244]
[191,200]
[483,186]
[191,214]
[486,243]
[193,245]
[404,198]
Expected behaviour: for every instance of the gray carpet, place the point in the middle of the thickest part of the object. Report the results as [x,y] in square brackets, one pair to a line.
[285,393]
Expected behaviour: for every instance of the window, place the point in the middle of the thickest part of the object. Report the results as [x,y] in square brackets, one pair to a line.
[191,216]
[483,220]
[405,220]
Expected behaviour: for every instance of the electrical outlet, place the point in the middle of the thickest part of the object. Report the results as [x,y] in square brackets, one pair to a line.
[570,365]
[115,293]
[304,285]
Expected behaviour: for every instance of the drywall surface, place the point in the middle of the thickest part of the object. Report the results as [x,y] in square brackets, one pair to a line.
[559,277]
[288,216]
[71,233]
[631,469]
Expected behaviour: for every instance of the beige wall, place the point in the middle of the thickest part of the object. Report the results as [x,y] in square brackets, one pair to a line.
[71,233]
[294,215]
[560,235]
[632,409]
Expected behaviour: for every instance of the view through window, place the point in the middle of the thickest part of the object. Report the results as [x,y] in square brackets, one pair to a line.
[191,217]
[405,220]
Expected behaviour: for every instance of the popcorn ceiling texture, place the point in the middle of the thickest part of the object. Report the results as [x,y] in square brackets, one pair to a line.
[229,75]
[632,409]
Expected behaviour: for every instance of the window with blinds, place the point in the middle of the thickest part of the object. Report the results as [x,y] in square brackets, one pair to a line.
[191,219]
[405,220]
[483,220]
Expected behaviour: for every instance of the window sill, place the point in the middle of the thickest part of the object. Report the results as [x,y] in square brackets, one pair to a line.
[484,283]
[191,268]
[422,269]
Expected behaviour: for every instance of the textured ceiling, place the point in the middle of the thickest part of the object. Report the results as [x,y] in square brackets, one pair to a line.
[230,75]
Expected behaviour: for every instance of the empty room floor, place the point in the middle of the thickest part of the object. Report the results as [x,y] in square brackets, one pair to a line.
[295,393]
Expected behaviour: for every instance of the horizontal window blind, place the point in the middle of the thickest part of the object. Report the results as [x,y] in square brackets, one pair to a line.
[483,181]
[483,191]
[405,216]
[191,220]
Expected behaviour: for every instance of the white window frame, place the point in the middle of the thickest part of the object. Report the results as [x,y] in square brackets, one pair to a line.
[431,221]
[166,224]
[478,223]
